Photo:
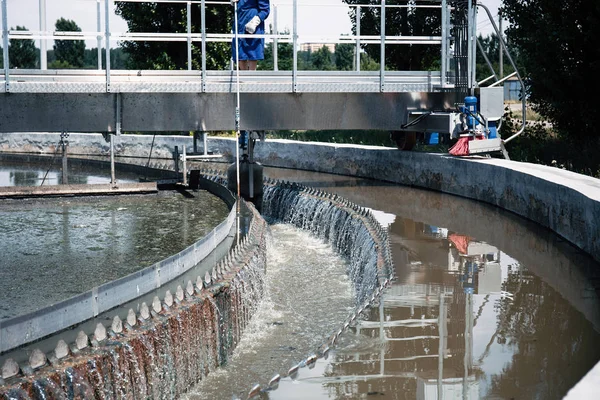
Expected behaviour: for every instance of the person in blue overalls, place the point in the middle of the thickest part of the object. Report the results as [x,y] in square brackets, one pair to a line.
[251,19]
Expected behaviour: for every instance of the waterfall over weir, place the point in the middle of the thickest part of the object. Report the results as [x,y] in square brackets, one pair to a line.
[351,230]
[162,350]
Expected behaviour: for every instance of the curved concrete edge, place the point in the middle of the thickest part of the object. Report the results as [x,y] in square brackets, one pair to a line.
[162,348]
[85,306]
[587,387]
[565,202]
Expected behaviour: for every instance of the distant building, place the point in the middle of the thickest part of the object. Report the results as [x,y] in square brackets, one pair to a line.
[312,47]
[512,89]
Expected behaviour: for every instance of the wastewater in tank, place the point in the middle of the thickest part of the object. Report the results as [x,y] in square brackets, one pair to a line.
[485,305]
[49,172]
[55,248]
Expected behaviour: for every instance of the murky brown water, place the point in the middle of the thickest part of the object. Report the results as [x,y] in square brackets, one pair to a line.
[486,305]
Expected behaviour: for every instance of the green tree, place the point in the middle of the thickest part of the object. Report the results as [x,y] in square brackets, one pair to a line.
[344,56]
[322,59]
[22,53]
[69,53]
[172,18]
[285,56]
[406,21]
[118,58]
[367,63]
[557,44]
[491,47]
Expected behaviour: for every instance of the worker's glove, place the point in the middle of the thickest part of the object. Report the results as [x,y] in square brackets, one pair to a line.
[252,25]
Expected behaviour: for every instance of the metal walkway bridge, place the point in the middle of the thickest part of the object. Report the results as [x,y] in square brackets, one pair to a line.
[108,100]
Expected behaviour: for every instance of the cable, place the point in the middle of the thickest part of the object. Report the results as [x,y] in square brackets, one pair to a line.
[416,120]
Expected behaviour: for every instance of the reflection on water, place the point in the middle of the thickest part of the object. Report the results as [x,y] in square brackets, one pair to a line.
[486,305]
[55,248]
[474,324]
[14,173]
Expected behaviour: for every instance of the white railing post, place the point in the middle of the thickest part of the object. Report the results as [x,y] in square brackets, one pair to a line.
[203,31]
[189,35]
[5,58]
[358,12]
[382,58]
[43,43]
[275,41]
[107,44]
[295,45]
[99,29]
[444,67]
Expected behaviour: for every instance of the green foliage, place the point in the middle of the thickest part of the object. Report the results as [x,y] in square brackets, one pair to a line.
[59,64]
[363,137]
[22,53]
[491,47]
[344,56]
[322,59]
[172,18]
[557,43]
[118,58]
[69,51]
[285,57]
[407,21]
[540,144]
[367,63]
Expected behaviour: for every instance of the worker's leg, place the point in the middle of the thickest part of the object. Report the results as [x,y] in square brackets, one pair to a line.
[247,65]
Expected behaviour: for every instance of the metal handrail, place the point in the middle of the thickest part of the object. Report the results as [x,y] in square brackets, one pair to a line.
[107,36]
[505,48]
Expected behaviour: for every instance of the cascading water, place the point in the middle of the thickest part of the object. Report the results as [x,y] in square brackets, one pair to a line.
[306,295]
[339,226]
[169,347]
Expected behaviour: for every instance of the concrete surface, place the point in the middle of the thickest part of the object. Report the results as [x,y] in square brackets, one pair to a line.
[563,201]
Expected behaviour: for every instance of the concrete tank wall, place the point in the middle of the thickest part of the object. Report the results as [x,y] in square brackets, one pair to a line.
[565,202]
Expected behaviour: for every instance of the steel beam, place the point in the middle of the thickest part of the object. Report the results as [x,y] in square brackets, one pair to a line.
[101,112]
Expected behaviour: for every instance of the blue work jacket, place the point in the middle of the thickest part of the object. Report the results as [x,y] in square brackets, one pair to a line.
[251,49]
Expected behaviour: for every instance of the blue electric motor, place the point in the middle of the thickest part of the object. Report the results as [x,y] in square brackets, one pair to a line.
[470,109]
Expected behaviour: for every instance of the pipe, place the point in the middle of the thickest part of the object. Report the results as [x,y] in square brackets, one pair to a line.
[487,60]
[505,47]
